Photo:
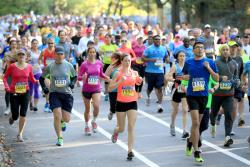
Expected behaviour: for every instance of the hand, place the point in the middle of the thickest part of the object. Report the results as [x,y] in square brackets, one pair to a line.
[224,78]
[84,77]
[78,84]
[71,85]
[138,80]
[244,88]
[153,60]
[46,91]
[185,77]
[123,78]
[7,89]
[206,64]
[211,91]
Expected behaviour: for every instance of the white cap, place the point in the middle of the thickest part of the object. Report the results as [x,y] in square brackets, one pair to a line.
[207,26]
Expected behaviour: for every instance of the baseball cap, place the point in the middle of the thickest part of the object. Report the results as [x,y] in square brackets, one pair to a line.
[207,26]
[232,43]
[59,50]
[177,36]
[90,42]
[21,51]
[199,40]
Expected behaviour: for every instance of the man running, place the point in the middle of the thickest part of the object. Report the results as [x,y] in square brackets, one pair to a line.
[62,80]
[197,92]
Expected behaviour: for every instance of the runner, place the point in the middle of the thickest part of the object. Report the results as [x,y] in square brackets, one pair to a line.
[19,72]
[90,72]
[62,77]
[178,93]
[154,56]
[106,52]
[197,92]
[126,105]
[223,96]
[47,57]
[34,54]
[111,71]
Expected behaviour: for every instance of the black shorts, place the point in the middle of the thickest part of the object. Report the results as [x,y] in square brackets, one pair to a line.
[61,100]
[154,80]
[88,95]
[123,107]
[197,103]
[19,104]
[178,96]
[112,101]
[238,94]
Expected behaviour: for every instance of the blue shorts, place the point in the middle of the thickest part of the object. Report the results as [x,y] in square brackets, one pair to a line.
[154,80]
[61,100]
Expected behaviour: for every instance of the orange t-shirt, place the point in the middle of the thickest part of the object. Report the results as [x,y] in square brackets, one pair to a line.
[126,90]
[48,57]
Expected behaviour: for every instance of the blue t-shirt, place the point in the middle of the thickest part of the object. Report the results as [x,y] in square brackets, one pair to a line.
[188,51]
[199,76]
[246,71]
[159,53]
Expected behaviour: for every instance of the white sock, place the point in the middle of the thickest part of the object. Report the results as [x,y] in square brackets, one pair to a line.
[86,124]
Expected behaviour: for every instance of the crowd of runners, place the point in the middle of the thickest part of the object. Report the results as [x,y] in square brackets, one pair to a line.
[205,71]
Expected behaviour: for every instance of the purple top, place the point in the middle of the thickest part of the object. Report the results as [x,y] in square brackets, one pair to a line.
[94,73]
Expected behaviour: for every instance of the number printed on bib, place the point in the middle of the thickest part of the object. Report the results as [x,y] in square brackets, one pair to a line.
[198,84]
[20,87]
[128,90]
[159,63]
[93,80]
[60,82]
[225,85]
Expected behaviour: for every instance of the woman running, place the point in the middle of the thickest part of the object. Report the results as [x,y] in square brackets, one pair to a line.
[90,72]
[37,71]
[20,72]
[126,105]
[178,93]
[111,71]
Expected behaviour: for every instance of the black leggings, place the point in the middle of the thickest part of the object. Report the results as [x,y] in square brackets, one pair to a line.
[141,71]
[7,99]
[19,104]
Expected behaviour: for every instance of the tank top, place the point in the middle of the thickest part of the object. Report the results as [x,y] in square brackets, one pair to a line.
[126,90]
[48,57]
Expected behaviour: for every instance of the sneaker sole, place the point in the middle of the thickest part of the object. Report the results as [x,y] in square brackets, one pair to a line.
[229,142]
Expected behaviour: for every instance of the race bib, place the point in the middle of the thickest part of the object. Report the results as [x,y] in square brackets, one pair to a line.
[128,91]
[139,61]
[159,63]
[60,82]
[225,85]
[48,61]
[209,50]
[93,80]
[179,89]
[20,87]
[198,84]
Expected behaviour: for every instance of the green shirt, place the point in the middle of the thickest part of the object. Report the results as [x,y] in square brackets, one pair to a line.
[107,51]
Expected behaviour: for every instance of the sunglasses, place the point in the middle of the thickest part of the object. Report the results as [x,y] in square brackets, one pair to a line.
[50,43]
[123,41]
[157,39]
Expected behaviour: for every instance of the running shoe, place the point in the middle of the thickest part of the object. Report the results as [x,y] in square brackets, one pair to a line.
[198,157]
[106,97]
[31,107]
[87,131]
[228,141]
[63,125]
[148,102]
[241,122]
[7,111]
[160,109]
[213,131]
[172,130]
[35,109]
[46,108]
[185,135]
[11,120]
[114,137]
[232,133]
[59,141]
[94,126]
[20,138]
[130,156]
[218,119]
[189,148]
[110,116]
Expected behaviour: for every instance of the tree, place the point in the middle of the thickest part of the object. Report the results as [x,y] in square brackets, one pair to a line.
[160,12]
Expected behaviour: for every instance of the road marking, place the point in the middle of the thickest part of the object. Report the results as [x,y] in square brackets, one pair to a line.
[230,149]
[179,130]
[119,142]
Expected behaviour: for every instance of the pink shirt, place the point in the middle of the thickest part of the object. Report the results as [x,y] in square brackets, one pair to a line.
[94,74]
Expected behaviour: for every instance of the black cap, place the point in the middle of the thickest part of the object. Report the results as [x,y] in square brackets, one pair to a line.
[59,50]
[90,42]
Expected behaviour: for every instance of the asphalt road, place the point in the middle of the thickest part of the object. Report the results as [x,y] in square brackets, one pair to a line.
[154,146]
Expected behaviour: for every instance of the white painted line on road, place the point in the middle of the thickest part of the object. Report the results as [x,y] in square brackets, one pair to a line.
[224,151]
[230,149]
[119,142]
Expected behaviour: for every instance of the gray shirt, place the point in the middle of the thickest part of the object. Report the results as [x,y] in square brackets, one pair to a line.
[59,75]
[67,49]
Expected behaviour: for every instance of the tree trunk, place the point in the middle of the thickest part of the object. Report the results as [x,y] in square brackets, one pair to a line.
[175,12]
[204,12]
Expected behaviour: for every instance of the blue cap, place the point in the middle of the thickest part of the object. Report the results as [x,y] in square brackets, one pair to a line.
[199,40]
[59,50]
